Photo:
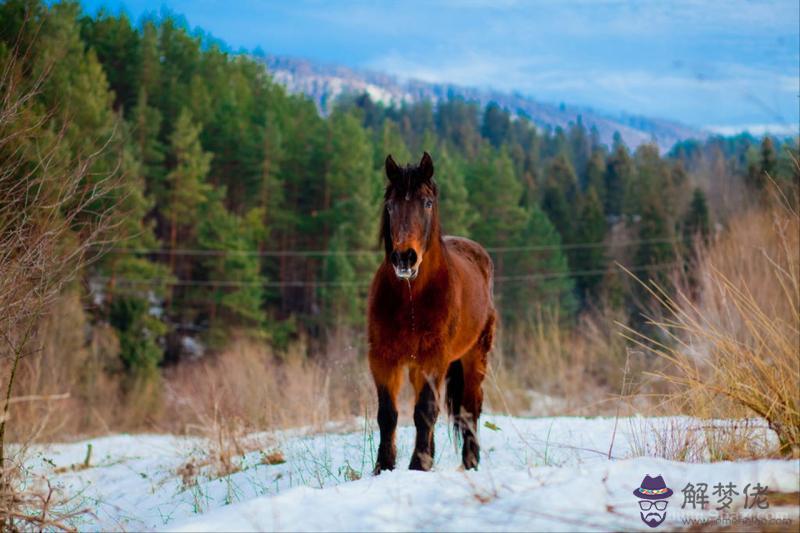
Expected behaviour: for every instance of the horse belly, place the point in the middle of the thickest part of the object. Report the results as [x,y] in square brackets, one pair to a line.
[475,305]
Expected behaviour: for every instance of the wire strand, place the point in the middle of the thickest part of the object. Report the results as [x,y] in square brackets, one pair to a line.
[323,253]
[323,283]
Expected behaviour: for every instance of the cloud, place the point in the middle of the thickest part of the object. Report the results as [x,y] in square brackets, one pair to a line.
[728,91]
[732,62]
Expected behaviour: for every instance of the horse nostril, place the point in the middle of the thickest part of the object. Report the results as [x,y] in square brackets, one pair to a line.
[411,258]
[394,258]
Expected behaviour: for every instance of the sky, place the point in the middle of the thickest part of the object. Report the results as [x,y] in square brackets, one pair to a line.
[724,65]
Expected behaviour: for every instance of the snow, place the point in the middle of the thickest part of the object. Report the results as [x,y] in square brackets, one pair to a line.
[536,474]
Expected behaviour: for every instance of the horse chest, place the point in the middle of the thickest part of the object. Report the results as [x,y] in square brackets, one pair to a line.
[416,331]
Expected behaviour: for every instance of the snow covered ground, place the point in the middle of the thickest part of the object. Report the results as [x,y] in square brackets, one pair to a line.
[536,474]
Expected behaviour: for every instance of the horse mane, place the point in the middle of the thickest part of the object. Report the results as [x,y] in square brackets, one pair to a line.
[407,183]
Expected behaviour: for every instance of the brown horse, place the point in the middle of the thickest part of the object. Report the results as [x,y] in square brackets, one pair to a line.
[430,309]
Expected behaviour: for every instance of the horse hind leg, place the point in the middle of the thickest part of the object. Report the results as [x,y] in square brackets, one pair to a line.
[474,365]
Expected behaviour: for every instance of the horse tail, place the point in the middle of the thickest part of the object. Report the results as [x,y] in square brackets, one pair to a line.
[455,395]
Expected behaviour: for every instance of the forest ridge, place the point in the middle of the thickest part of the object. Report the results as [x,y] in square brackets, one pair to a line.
[243,211]
[326,84]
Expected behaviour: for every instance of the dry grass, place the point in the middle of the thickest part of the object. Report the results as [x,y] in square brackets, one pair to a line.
[732,352]
[549,369]
[699,440]
[232,399]
[249,383]
[70,385]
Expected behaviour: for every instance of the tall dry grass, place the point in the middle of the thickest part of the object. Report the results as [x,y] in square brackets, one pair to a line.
[731,341]
[249,385]
[547,368]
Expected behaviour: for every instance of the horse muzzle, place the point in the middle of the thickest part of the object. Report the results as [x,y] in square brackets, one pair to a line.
[405,263]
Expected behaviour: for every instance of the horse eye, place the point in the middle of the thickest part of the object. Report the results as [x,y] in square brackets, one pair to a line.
[428,203]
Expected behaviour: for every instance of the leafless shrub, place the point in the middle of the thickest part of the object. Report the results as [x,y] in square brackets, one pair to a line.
[49,229]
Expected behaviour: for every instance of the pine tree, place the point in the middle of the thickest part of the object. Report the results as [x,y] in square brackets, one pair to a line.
[146,125]
[580,148]
[457,125]
[590,231]
[391,142]
[696,222]
[559,196]
[138,329]
[769,157]
[656,250]
[495,194]
[536,283]
[595,174]
[496,124]
[188,189]
[343,290]
[354,188]
[456,213]
[234,294]
[619,172]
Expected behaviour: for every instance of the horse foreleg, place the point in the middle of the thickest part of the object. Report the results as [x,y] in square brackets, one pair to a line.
[426,410]
[388,379]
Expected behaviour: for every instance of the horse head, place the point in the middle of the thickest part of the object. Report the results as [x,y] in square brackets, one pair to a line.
[410,222]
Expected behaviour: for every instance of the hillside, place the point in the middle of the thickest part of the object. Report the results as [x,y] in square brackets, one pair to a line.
[324,83]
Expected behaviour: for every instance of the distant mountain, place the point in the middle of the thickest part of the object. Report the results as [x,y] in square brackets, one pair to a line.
[325,83]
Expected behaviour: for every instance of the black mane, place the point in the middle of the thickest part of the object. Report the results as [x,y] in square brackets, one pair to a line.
[408,181]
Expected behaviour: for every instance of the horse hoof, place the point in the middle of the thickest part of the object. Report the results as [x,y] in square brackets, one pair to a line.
[422,463]
[378,469]
[470,465]
[470,461]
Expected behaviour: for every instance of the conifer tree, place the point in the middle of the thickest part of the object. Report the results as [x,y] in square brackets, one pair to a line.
[559,196]
[496,124]
[536,282]
[619,172]
[233,295]
[769,157]
[656,250]
[457,214]
[354,189]
[495,194]
[696,223]
[595,174]
[187,188]
[590,233]
[391,142]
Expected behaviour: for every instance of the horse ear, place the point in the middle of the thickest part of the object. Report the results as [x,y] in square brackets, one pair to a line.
[426,167]
[392,170]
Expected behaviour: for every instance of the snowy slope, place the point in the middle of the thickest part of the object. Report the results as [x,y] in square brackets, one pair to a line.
[536,474]
[325,83]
